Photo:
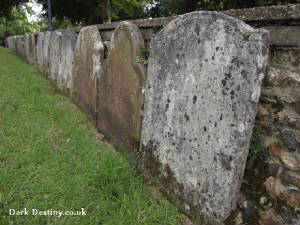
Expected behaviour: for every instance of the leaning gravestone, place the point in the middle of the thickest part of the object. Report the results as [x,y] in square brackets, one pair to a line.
[121,95]
[54,55]
[66,66]
[40,51]
[204,79]
[89,56]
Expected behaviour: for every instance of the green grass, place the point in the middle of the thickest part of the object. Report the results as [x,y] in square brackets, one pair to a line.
[50,159]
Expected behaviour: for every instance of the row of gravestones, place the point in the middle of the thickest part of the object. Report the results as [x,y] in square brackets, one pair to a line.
[193,127]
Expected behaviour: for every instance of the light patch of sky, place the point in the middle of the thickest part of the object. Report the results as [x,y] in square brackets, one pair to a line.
[37,10]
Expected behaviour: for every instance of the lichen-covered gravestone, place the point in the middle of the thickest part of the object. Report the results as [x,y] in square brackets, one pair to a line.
[121,95]
[89,56]
[54,55]
[204,80]
[66,66]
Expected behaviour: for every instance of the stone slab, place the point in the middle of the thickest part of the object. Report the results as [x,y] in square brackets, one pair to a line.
[40,51]
[66,66]
[288,36]
[32,50]
[14,44]
[54,55]
[26,47]
[89,56]
[46,53]
[121,97]
[204,80]
[20,48]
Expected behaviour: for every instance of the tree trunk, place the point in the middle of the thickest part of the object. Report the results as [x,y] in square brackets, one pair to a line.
[106,8]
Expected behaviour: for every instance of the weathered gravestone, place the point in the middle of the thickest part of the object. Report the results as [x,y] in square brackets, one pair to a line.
[40,51]
[89,55]
[46,53]
[121,95]
[14,44]
[26,47]
[54,55]
[20,46]
[204,80]
[66,66]
[32,50]
[8,42]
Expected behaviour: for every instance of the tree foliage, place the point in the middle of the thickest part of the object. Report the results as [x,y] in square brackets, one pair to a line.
[7,5]
[17,22]
[96,11]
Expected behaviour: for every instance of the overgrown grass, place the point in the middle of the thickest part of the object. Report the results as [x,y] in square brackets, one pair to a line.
[50,159]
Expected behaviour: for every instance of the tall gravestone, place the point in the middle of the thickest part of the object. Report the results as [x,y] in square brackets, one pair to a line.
[46,53]
[14,44]
[204,79]
[29,45]
[40,51]
[89,56]
[32,50]
[54,55]
[26,47]
[66,66]
[8,42]
[121,95]
[20,49]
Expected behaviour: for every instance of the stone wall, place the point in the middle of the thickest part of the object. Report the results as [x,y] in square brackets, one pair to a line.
[102,69]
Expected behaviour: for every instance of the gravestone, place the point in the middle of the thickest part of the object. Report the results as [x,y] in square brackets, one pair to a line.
[54,55]
[204,80]
[121,95]
[32,50]
[46,53]
[26,47]
[20,46]
[89,56]
[66,66]
[8,42]
[40,51]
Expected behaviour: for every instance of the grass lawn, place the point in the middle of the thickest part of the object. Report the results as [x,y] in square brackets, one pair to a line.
[50,159]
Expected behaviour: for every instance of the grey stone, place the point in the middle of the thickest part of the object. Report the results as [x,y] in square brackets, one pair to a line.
[13,43]
[54,55]
[121,97]
[203,83]
[89,56]
[40,51]
[291,139]
[32,49]
[26,47]
[46,53]
[20,46]
[66,66]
